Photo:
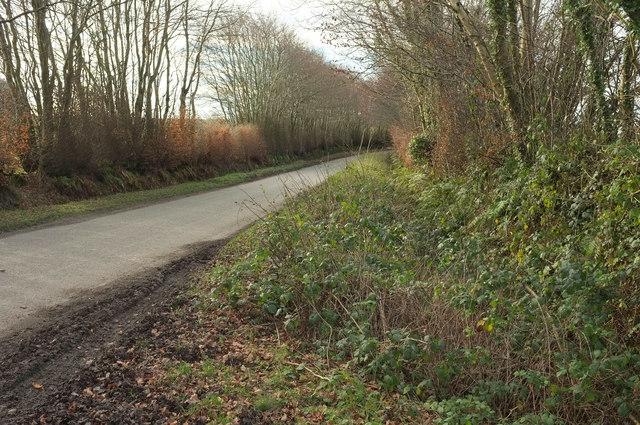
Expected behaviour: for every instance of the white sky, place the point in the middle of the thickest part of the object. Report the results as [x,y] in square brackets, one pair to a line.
[299,15]
[295,13]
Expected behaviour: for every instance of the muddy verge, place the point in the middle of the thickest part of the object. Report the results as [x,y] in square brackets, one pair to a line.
[44,362]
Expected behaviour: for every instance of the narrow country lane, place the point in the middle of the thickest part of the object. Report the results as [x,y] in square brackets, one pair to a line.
[52,265]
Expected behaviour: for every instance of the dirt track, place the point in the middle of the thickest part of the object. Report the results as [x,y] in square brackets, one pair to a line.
[57,353]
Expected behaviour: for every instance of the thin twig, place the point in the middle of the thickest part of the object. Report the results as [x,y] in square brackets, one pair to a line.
[546,325]
[348,313]
[302,365]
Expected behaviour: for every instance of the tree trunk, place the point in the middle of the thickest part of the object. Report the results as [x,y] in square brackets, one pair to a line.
[47,79]
[627,98]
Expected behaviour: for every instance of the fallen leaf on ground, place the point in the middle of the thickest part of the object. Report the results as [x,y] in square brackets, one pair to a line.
[37,386]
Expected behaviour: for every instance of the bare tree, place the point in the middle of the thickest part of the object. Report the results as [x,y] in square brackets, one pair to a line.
[259,73]
[548,66]
[100,78]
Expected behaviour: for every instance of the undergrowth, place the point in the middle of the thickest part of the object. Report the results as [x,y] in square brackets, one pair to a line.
[506,297]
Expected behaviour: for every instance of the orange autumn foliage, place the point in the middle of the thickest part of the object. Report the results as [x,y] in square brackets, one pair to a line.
[401,139]
[181,144]
[217,142]
[14,135]
[250,146]
[187,141]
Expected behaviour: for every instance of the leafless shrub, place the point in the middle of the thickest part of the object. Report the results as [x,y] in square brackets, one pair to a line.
[249,145]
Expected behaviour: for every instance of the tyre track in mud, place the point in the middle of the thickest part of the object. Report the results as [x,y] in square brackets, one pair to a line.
[54,351]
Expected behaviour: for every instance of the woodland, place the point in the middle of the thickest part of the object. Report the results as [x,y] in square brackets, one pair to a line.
[117,89]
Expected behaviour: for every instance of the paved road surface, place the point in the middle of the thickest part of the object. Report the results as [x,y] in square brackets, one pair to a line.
[49,266]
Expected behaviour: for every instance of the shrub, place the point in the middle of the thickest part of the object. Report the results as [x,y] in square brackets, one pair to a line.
[217,143]
[452,130]
[14,135]
[400,140]
[155,150]
[420,149]
[249,144]
[180,139]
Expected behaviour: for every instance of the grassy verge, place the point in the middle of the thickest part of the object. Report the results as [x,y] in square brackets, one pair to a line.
[21,218]
[508,297]
[255,374]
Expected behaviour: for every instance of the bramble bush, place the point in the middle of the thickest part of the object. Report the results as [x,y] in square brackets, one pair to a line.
[507,297]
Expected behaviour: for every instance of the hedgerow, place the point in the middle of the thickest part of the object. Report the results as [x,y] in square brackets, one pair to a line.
[504,297]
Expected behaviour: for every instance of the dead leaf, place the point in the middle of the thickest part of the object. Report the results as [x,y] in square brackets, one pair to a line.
[37,386]
[72,407]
